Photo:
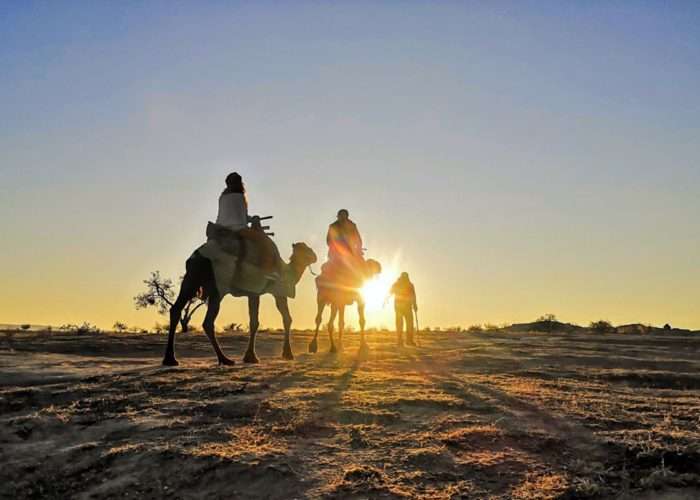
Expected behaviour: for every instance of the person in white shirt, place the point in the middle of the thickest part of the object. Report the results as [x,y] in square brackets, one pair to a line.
[233,214]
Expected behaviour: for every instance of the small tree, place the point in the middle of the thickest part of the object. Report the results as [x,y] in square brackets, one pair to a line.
[120,327]
[601,326]
[233,327]
[545,323]
[160,328]
[160,293]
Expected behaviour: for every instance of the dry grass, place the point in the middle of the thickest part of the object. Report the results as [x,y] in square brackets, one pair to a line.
[501,416]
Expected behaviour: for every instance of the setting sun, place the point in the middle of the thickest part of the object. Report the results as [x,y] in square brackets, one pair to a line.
[375,291]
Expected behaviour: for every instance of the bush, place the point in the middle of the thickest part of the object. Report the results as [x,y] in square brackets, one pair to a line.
[160,328]
[491,327]
[85,328]
[601,326]
[120,327]
[233,327]
[545,323]
[475,328]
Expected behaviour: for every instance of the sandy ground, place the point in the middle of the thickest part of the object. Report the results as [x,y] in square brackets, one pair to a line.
[466,415]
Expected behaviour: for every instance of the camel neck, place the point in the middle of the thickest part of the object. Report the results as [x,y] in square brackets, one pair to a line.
[297,269]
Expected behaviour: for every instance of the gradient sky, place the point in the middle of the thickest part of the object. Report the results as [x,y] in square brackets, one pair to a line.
[516,158]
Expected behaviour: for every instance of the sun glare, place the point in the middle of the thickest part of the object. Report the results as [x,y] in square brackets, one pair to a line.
[375,291]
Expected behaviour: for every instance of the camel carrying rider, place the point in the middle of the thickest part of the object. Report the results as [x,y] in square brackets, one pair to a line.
[233,216]
[404,304]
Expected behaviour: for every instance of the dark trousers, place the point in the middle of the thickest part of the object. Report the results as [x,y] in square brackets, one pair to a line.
[404,313]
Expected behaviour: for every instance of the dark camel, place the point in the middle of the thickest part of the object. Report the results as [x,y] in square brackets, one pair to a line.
[339,295]
[199,278]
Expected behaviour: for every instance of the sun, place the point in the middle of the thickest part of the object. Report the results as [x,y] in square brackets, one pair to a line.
[375,291]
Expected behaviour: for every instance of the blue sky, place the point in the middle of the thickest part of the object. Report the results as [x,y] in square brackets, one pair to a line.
[516,157]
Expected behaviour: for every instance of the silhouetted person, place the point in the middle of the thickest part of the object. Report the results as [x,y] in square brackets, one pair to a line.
[233,215]
[404,304]
[344,241]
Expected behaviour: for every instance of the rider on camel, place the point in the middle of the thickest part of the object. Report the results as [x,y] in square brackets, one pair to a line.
[344,241]
[233,215]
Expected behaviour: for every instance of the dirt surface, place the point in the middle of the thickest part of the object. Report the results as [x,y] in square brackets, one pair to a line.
[466,415]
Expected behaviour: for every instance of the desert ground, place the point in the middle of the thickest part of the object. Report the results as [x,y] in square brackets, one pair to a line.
[480,415]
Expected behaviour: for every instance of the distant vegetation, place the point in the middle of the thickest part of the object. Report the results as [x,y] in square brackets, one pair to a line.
[120,327]
[601,326]
[548,323]
[545,323]
[233,328]
[85,328]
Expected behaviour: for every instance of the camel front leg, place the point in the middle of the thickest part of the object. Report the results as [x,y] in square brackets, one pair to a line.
[321,304]
[175,312]
[253,316]
[208,325]
[361,314]
[283,308]
[187,291]
[334,311]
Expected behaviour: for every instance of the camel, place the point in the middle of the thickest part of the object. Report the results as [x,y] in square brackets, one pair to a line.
[339,296]
[199,278]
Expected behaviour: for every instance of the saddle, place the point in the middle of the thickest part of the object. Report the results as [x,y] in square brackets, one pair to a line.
[230,241]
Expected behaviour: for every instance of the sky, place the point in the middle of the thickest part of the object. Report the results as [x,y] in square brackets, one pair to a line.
[516,158]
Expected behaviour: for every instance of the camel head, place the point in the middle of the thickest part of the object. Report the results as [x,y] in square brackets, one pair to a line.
[373,268]
[302,255]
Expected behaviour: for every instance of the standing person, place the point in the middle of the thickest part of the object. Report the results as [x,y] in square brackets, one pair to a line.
[344,241]
[233,215]
[404,304]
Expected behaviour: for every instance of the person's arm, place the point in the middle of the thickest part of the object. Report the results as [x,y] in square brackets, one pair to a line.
[241,210]
[392,291]
[413,297]
[356,240]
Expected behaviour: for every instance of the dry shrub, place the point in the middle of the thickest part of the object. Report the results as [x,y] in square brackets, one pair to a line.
[601,326]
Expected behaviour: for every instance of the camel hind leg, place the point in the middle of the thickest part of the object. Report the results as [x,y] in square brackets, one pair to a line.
[321,304]
[341,327]
[361,314]
[341,323]
[334,311]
